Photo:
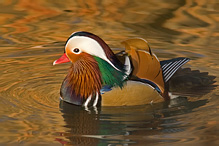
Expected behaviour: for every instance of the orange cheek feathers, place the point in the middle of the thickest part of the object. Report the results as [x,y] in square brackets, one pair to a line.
[73,57]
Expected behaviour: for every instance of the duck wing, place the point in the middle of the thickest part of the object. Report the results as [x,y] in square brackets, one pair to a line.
[145,64]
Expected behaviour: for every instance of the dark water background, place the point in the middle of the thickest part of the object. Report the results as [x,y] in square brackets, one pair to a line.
[32,36]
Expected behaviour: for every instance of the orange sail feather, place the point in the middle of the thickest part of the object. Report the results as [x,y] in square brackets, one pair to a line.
[146,64]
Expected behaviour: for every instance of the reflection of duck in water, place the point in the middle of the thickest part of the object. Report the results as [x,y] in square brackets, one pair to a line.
[79,123]
[128,124]
[97,76]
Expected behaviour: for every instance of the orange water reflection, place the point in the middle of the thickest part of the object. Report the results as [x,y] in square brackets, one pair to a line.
[32,35]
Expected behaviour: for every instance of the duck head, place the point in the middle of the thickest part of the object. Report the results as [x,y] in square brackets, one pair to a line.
[94,65]
[82,43]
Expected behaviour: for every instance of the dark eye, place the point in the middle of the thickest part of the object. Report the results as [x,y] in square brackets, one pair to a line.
[76,50]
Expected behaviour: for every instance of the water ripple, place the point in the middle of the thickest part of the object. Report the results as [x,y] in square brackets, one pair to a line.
[32,36]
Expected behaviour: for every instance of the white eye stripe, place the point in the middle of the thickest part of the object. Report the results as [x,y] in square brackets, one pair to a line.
[89,46]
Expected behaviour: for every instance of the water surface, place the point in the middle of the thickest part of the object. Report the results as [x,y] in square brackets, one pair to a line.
[32,36]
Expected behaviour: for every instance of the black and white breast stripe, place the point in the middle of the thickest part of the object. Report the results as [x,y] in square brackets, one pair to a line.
[92,101]
[169,67]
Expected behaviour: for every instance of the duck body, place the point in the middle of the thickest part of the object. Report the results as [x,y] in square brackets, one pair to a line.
[133,93]
[97,76]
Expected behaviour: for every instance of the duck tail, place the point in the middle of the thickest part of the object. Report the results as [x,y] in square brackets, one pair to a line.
[169,67]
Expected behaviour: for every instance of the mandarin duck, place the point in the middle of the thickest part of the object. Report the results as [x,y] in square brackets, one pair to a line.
[98,76]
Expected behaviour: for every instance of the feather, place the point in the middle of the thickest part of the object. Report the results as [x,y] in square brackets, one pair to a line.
[169,67]
[145,63]
[108,52]
[84,78]
[109,75]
